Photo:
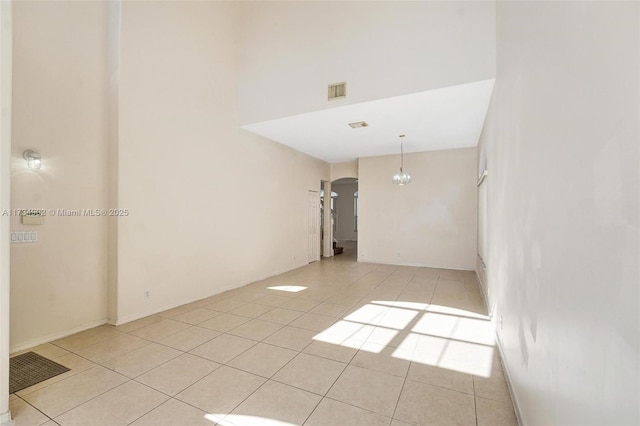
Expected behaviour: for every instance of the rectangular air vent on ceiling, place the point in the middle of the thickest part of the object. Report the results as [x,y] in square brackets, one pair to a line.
[337,91]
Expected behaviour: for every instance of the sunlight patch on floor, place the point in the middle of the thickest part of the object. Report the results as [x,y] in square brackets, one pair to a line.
[464,357]
[400,304]
[440,336]
[288,288]
[346,333]
[240,420]
[455,311]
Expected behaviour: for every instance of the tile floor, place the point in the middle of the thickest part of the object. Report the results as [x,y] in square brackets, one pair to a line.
[335,343]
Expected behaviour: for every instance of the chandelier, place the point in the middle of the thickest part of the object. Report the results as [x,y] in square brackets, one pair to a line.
[402,178]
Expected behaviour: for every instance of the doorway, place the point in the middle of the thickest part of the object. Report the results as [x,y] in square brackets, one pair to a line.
[314,225]
[345,223]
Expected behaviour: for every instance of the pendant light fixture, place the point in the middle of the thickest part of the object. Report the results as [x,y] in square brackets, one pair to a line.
[402,178]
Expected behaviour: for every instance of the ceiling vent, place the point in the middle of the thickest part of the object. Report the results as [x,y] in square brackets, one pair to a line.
[358,124]
[337,91]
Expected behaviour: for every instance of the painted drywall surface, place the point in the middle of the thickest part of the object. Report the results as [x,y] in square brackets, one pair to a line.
[59,110]
[344,211]
[381,49]
[212,206]
[113,63]
[5,166]
[347,169]
[563,192]
[431,221]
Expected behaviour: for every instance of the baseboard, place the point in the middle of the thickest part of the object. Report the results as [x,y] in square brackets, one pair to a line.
[218,291]
[5,419]
[51,337]
[505,367]
[417,265]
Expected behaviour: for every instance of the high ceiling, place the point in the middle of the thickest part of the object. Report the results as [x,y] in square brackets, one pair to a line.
[446,118]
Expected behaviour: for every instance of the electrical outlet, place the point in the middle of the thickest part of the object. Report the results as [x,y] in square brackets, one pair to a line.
[147,294]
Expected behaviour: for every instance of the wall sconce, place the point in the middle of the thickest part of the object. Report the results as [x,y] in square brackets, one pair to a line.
[34,161]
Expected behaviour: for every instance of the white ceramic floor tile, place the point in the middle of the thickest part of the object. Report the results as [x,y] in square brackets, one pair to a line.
[383,344]
[275,403]
[142,360]
[178,374]
[190,338]
[495,413]
[423,404]
[117,407]
[87,338]
[142,322]
[112,348]
[492,388]
[174,413]
[383,359]
[313,322]
[263,359]
[251,310]
[311,373]
[196,316]
[273,300]
[221,391]
[334,351]
[62,396]
[329,309]
[442,377]
[291,338]
[368,389]
[223,348]
[224,322]
[160,330]
[24,414]
[225,305]
[280,315]
[302,305]
[331,413]
[256,329]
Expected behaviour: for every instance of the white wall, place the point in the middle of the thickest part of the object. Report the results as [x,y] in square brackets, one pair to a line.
[344,211]
[212,206]
[60,111]
[5,163]
[154,123]
[381,49]
[563,188]
[346,169]
[431,221]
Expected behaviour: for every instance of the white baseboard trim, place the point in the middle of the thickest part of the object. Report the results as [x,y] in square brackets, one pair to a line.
[417,265]
[5,419]
[46,339]
[505,368]
[233,286]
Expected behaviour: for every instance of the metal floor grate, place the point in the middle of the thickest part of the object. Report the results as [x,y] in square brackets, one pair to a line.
[30,368]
